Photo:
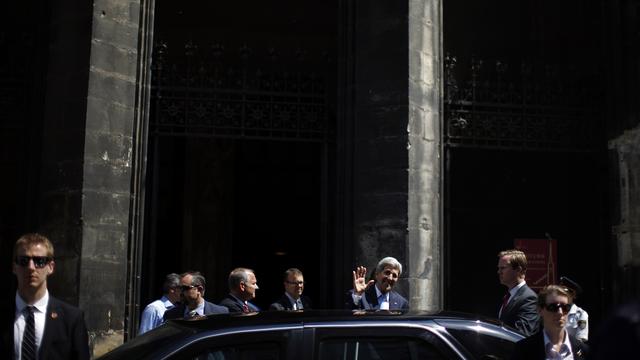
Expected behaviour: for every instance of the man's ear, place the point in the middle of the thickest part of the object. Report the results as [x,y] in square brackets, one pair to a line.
[52,266]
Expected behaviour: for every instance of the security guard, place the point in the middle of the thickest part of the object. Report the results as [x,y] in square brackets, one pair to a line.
[578,319]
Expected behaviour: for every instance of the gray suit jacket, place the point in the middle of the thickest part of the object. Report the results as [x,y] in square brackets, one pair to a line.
[521,312]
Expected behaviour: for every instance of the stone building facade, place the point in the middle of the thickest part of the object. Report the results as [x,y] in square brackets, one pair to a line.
[80,137]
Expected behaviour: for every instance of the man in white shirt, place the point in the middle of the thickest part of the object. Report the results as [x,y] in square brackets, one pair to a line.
[553,341]
[152,316]
[578,319]
[43,327]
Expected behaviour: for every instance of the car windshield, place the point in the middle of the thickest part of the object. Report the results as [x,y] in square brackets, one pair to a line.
[143,345]
[483,341]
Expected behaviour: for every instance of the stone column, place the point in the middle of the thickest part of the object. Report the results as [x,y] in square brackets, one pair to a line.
[626,225]
[92,155]
[424,244]
[380,132]
[396,132]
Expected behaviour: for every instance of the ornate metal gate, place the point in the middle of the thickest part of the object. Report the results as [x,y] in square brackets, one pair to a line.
[491,104]
[213,92]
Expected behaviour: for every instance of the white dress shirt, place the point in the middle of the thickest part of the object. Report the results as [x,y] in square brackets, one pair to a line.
[565,352]
[39,317]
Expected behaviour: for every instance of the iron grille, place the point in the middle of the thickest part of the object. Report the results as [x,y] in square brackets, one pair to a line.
[545,107]
[215,93]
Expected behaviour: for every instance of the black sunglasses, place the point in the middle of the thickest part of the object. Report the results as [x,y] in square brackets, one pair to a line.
[554,307]
[187,287]
[38,261]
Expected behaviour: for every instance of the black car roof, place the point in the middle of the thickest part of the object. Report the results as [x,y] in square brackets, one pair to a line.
[175,329]
[213,322]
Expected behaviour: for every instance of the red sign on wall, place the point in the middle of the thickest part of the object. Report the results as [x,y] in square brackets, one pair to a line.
[542,261]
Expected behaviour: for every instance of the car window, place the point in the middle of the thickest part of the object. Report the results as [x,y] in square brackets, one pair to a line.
[377,348]
[260,345]
[253,351]
[484,345]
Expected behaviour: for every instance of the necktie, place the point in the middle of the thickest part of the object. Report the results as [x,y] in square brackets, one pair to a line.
[192,314]
[299,305]
[245,308]
[29,335]
[505,300]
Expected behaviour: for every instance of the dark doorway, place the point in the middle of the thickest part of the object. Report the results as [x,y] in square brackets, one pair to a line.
[496,197]
[242,144]
[24,45]
[224,203]
[524,143]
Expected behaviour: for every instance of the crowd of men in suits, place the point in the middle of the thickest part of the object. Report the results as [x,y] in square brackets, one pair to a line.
[375,294]
[43,327]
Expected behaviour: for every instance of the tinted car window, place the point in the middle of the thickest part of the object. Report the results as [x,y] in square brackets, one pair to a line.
[258,345]
[377,348]
[482,345]
[254,351]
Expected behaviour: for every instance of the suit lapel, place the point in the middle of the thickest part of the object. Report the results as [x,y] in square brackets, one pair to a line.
[306,302]
[513,300]
[576,347]
[7,333]
[51,325]
[372,297]
[393,301]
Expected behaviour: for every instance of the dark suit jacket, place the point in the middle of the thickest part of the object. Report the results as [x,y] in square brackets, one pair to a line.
[532,348]
[396,301]
[521,312]
[235,305]
[285,304]
[177,312]
[65,333]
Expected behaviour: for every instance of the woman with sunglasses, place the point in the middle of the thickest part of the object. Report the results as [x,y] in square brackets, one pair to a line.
[552,341]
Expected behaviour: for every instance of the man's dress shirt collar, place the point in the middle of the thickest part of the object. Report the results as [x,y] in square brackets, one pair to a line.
[565,353]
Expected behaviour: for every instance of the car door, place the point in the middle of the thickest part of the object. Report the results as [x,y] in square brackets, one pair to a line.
[242,344]
[376,342]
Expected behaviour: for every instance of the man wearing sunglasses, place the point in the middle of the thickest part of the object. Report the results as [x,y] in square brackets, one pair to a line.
[41,327]
[193,303]
[553,341]
[293,288]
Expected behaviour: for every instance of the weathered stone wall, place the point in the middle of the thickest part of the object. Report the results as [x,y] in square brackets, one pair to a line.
[380,132]
[88,150]
[424,245]
[397,142]
[625,168]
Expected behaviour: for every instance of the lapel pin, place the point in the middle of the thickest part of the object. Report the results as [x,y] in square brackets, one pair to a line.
[54,315]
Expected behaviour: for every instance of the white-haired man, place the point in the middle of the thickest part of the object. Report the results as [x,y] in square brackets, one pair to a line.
[377,293]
